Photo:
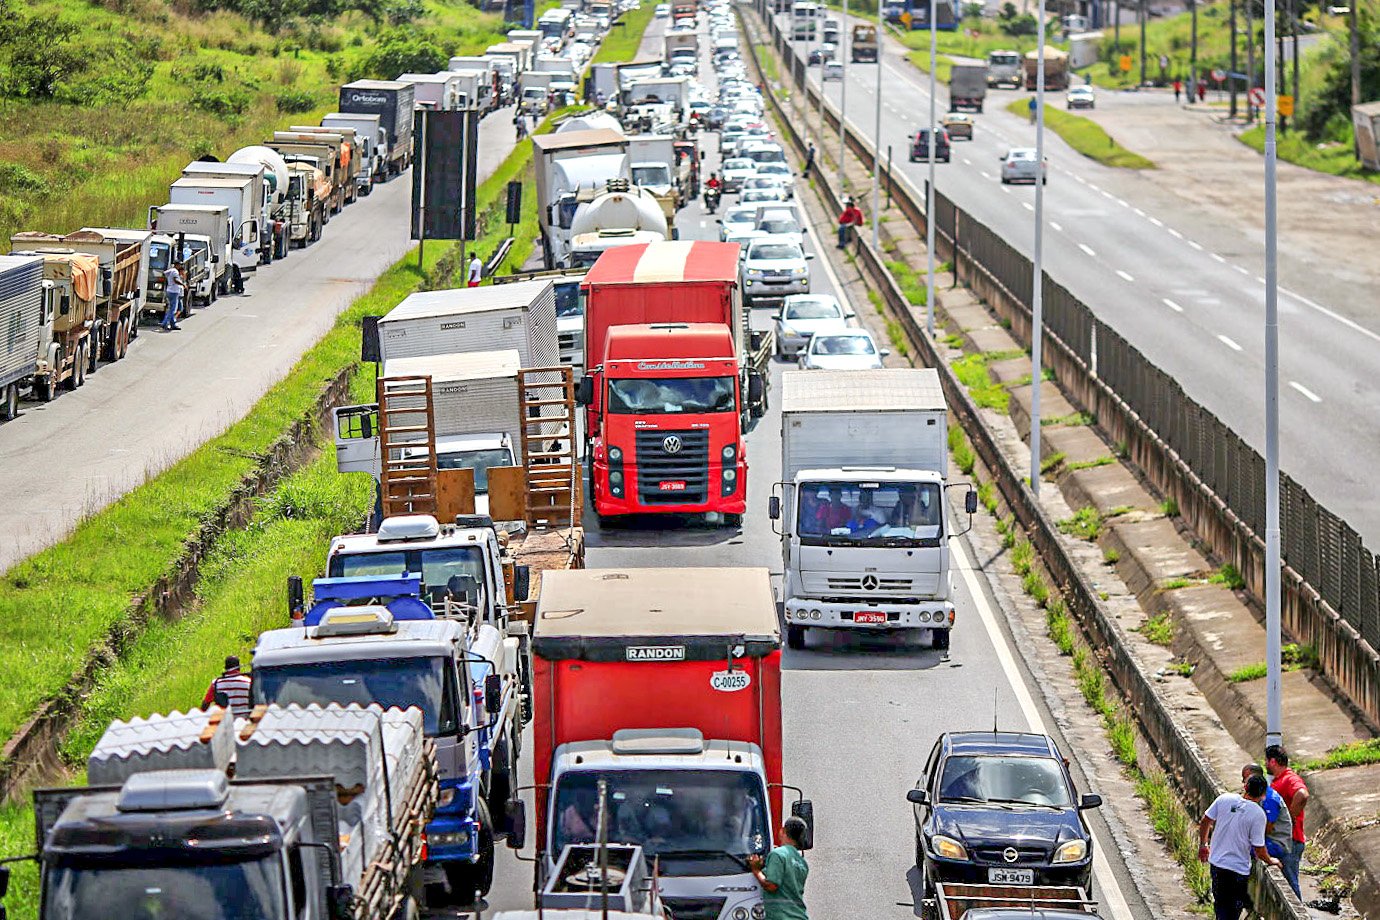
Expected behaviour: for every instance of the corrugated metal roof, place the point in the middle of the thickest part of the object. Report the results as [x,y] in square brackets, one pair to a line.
[893,389]
[473,365]
[162,742]
[598,603]
[467,300]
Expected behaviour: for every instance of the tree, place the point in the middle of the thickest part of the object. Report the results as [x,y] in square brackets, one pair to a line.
[36,53]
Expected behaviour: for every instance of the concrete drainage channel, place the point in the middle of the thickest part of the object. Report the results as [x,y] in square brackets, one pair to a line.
[1190,745]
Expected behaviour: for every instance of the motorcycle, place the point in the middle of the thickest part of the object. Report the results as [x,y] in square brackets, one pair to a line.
[711,198]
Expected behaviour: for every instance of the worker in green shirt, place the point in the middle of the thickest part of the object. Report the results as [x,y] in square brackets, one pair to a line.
[782,874]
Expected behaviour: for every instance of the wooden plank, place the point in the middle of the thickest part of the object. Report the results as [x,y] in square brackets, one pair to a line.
[507,493]
[454,493]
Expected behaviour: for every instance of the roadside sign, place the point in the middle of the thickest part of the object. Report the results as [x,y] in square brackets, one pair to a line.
[1286,105]
[905,20]
[1219,75]
[1257,96]
[1125,63]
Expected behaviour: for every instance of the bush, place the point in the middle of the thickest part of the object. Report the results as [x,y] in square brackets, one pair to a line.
[36,53]
[294,101]
[401,51]
[1023,24]
[15,178]
[221,101]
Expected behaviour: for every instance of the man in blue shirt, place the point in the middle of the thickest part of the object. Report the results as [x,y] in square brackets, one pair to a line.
[1278,833]
[782,874]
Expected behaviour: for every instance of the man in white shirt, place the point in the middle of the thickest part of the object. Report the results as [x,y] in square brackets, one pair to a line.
[1236,824]
[476,270]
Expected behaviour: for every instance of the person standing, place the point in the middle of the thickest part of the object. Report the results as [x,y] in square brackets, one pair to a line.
[850,218]
[1279,831]
[1292,790]
[173,289]
[1178,89]
[809,162]
[1236,825]
[782,874]
[476,273]
[231,689]
[1202,90]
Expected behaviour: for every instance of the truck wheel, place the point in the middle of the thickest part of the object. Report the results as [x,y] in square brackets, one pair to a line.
[795,637]
[501,776]
[78,376]
[45,390]
[93,349]
[470,882]
[939,638]
[11,401]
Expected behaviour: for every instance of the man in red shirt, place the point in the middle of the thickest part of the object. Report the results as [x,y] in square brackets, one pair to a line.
[231,689]
[1292,790]
[850,218]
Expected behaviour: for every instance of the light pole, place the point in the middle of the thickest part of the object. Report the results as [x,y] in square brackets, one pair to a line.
[843,109]
[929,186]
[1273,720]
[876,145]
[1037,289]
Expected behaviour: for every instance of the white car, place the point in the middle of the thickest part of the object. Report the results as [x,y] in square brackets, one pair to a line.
[772,268]
[846,350]
[781,171]
[759,180]
[735,171]
[662,10]
[776,221]
[803,316]
[1080,97]
[1019,165]
[736,222]
[762,195]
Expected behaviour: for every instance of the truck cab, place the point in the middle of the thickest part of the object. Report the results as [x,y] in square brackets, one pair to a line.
[193,252]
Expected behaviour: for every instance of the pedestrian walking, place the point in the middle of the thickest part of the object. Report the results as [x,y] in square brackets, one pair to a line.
[1030,106]
[1178,89]
[476,271]
[809,161]
[1292,790]
[231,689]
[1235,823]
[782,874]
[173,289]
[850,218]
[1202,90]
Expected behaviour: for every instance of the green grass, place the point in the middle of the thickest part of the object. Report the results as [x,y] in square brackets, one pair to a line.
[1181,668]
[962,450]
[945,64]
[1173,584]
[987,496]
[1085,136]
[1111,557]
[961,43]
[1086,524]
[1351,754]
[1077,419]
[1052,462]
[972,372]
[625,38]
[1158,629]
[1293,657]
[1330,157]
[912,283]
[1229,577]
[1169,507]
[1248,672]
[1090,464]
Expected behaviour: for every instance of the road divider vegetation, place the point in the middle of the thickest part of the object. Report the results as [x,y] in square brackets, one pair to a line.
[1084,135]
[625,37]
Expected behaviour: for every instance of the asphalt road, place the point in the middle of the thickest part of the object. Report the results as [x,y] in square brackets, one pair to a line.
[65,460]
[1182,286]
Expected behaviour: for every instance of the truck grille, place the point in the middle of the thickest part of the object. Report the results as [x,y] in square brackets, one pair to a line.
[694,908]
[684,471]
[570,341]
[882,585]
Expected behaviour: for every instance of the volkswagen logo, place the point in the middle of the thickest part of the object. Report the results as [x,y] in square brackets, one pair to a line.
[1010,854]
[869,582]
[671,445]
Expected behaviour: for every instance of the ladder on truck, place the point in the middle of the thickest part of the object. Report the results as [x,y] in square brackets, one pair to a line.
[407,446]
[554,498]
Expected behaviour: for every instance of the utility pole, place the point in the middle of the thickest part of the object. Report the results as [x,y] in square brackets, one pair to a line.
[844,34]
[929,186]
[1294,26]
[1273,715]
[1250,58]
[1232,76]
[843,108]
[1037,312]
[1116,27]
[1143,17]
[1355,28]
[1193,52]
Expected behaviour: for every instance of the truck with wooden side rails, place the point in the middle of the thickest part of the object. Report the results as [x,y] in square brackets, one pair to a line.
[371,146]
[22,302]
[314,813]
[351,161]
[664,685]
[394,103]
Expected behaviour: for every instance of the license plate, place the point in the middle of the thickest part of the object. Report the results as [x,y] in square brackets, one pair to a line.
[869,616]
[1011,876]
[672,486]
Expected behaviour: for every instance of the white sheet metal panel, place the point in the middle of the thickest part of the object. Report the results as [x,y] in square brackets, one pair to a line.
[21,306]
[519,316]
[160,742]
[472,393]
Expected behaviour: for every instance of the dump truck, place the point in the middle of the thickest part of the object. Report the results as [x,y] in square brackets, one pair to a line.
[324,151]
[864,42]
[351,161]
[22,304]
[393,102]
[323,819]
[1056,69]
[71,286]
[372,148]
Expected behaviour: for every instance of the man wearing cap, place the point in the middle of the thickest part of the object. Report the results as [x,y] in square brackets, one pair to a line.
[231,689]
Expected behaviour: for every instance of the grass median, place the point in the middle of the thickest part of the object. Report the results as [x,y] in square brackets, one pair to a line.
[625,38]
[1084,135]
[1292,146]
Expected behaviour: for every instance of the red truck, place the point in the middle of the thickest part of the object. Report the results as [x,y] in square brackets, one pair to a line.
[665,684]
[674,376]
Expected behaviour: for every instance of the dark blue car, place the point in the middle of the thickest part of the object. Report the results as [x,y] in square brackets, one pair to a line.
[1000,807]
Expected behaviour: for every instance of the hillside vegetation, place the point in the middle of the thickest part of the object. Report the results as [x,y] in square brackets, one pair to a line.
[102,103]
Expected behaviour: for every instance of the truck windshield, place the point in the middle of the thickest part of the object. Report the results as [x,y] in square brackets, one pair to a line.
[669,395]
[872,513]
[231,890]
[158,256]
[435,565]
[693,815]
[477,460]
[569,300]
[647,176]
[427,683]
[1004,58]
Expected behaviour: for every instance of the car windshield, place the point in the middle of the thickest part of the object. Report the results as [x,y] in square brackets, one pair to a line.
[671,395]
[477,460]
[249,889]
[740,216]
[879,513]
[813,309]
[779,225]
[1007,780]
[1021,155]
[651,175]
[425,682]
[1005,59]
[738,164]
[672,814]
[775,252]
[835,345]
[436,565]
[774,169]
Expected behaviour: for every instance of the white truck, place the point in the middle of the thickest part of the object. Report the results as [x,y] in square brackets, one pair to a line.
[570,165]
[623,215]
[373,146]
[681,46]
[270,190]
[434,90]
[652,159]
[475,88]
[516,55]
[212,222]
[488,318]
[864,520]
[323,820]
[564,78]
[534,92]
[243,195]
[22,303]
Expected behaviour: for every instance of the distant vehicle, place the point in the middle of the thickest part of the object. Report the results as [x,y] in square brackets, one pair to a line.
[772,268]
[762,195]
[780,171]
[847,350]
[760,180]
[823,52]
[662,10]
[920,146]
[958,124]
[1080,97]
[804,315]
[986,794]
[967,87]
[1018,165]
[833,70]
[1004,69]
[864,46]
[735,171]
[737,220]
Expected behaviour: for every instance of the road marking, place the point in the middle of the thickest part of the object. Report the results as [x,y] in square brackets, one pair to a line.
[1173,306]
[1242,269]
[1027,205]
[1218,258]
[1139,212]
[1056,226]
[1107,881]
[1093,186]
[1122,202]
[967,162]
[1082,180]
[1108,195]
[1176,234]
[1229,343]
[1350,324]
[986,174]
[1260,279]
[1124,276]
[1305,391]
[1157,222]
[1006,190]
[1088,249]
[1196,245]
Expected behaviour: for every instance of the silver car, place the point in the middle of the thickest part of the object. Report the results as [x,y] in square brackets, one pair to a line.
[773,268]
[847,350]
[1019,165]
[804,316]
[735,171]
[736,222]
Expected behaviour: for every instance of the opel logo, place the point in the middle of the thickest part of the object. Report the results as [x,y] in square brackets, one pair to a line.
[671,445]
[1010,854]
[869,582]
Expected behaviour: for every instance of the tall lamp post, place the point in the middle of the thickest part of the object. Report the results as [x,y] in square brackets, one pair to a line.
[843,110]
[929,185]
[1273,715]
[1037,288]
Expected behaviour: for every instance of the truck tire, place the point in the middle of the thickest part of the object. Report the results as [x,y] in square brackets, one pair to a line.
[78,376]
[95,344]
[501,775]
[795,637]
[939,638]
[470,882]
[11,402]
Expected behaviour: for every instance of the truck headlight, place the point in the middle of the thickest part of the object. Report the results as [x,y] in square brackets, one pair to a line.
[615,478]
[814,614]
[947,847]
[740,913]
[1073,851]
[730,451]
[802,271]
[923,616]
[730,474]
[759,912]
[615,453]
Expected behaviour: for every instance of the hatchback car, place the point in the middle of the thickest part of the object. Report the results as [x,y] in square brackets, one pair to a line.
[1080,97]
[804,316]
[920,146]
[823,52]
[662,10]
[1000,808]
[738,223]
[833,70]
[1019,165]
[773,268]
[845,350]
[762,195]
[959,124]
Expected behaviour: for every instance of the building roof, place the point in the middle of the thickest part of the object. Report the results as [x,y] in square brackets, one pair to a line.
[892,388]
[670,261]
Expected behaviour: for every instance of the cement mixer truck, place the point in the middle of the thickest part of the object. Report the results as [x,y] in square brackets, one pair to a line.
[622,216]
[277,209]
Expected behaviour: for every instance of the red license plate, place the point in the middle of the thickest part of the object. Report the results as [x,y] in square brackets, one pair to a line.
[869,616]
[672,486]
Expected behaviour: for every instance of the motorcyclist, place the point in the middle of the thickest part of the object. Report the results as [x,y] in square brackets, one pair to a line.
[713,189]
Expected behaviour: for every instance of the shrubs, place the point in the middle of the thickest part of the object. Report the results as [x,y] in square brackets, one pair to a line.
[222,101]
[401,51]
[294,101]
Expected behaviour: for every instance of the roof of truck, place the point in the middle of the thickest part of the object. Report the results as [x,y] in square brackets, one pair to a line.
[411,639]
[670,261]
[9,263]
[376,84]
[675,341]
[474,365]
[596,614]
[890,388]
[565,140]
[212,181]
[467,300]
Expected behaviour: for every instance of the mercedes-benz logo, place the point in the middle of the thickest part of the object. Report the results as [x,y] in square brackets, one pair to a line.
[671,445]
[869,582]
[1010,854]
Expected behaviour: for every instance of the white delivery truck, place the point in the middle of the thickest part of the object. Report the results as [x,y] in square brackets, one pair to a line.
[21,311]
[243,196]
[652,160]
[434,90]
[569,165]
[268,194]
[864,523]
[488,318]
[475,89]
[479,79]
[211,221]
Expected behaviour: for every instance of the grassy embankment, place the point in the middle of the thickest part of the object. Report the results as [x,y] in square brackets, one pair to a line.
[1333,157]
[1084,135]
[625,38]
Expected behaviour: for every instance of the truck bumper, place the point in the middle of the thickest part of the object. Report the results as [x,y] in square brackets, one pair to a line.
[807,611]
[451,838]
[607,503]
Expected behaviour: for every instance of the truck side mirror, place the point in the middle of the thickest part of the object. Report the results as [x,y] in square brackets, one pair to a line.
[522,581]
[515,823]
[584,391]
[774,507]
[340,902]
[918,797]
[970,502]
[493,694]
[805,811]
[296,598]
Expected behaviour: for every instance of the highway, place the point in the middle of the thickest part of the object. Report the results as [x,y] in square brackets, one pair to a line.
[1179,282]
[63,461]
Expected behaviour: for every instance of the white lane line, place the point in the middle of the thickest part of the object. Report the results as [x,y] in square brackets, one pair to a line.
[1229,343]
[1108,195]
[1056,226]
[1157,222]
[1087,249]
[1006,190]
[1260,279]
[1350,324]
[1122,202]
[1139,212]
[1305,391]
[986,174]
[1027,205]
[1124,276]
[1173,306]
[966,162]
[1218,258]
[1242,269]
[1196,245]
[1176,234]
[1107,883]
[1094,187]
[1081,180]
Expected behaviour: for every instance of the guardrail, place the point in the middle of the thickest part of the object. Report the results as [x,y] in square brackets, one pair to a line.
[1330,580]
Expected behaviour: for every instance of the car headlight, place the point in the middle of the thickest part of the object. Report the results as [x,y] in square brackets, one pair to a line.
[802,270]
[947,847]
[1073,851]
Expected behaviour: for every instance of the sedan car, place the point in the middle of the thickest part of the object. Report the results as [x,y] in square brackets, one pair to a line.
[833,70]
[735,171]
[761,180]
[1080,97]
[773,268]
[762,195]
[824,52]
[780,171]
[1000,808]
[1019,165]
[738,221]
[959,124]
[845,350]
[662,10]
[920,146]
[803,316]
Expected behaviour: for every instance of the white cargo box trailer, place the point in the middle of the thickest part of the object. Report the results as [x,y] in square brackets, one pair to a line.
[490,318]
[21,312]
[471,393]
